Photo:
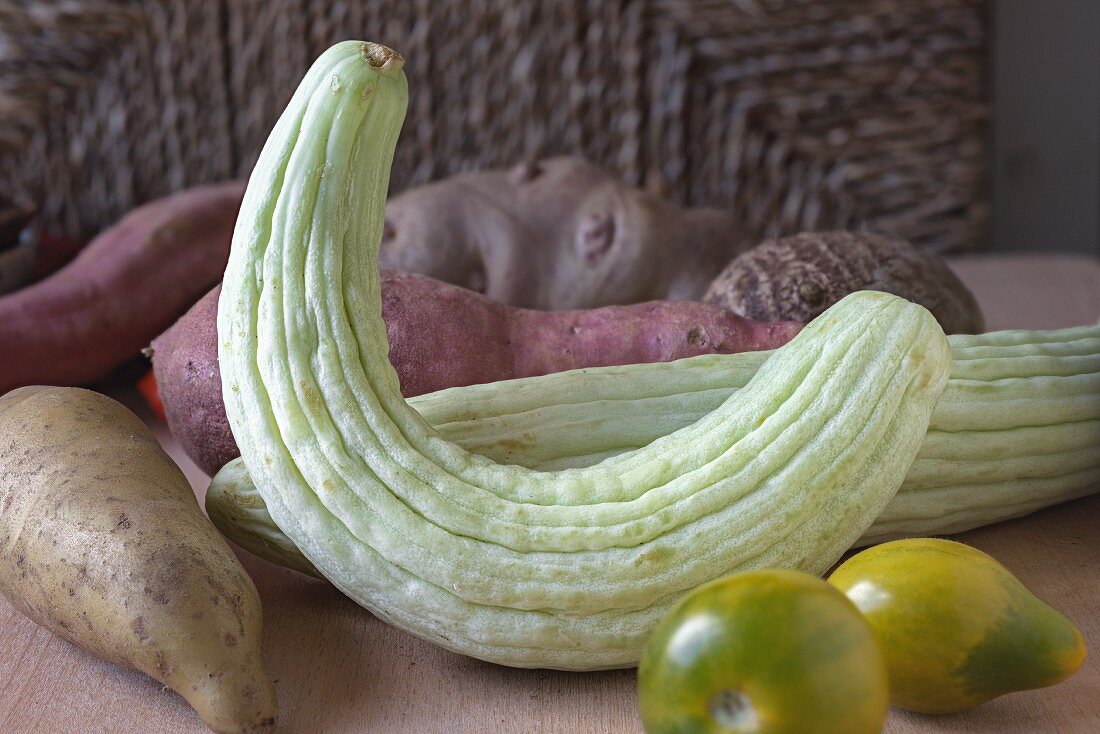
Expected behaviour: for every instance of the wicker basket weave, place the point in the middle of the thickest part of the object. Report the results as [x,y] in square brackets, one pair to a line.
[799,114]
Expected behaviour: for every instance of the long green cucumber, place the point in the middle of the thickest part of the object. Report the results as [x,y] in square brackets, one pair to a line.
[987,471]
[567,569]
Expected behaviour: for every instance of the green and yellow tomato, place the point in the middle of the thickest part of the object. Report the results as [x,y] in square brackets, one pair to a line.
[955,627]
[763,652]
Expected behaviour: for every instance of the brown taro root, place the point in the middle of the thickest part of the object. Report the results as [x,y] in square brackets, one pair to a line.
[102,542]
[124,288]
[444,336]
[557,234]
[796,278]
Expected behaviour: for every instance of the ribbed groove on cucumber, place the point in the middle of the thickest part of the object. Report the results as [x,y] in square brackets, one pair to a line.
[563,569]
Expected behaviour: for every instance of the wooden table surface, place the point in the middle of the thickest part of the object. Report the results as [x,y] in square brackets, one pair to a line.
[338,669]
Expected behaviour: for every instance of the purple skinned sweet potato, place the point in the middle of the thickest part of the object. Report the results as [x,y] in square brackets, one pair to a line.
[124,288]
[445,336]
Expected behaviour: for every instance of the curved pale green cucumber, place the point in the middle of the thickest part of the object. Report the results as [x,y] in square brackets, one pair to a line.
[567,569]
[238,510]
[959,481]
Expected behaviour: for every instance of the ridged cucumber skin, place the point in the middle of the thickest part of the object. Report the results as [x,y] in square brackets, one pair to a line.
[566,569]
[959,481]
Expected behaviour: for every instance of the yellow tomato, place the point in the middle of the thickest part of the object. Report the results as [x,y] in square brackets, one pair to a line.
[955,627]
[763,652]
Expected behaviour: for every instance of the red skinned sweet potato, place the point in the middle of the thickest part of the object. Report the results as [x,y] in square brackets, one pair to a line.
[124,288]
[445,336]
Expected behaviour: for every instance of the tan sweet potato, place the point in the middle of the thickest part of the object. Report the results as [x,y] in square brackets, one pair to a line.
[557,234]
[102,542]
[444,336]
[125,287]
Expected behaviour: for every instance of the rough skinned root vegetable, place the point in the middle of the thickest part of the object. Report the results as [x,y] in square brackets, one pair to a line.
[124,288]
[796,278]
[444,336]
[102,542]
[557,234]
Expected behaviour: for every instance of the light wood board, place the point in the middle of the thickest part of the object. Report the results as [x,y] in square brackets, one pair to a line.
[338,669]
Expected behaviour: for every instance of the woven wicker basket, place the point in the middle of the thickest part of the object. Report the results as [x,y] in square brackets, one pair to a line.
[798,114]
